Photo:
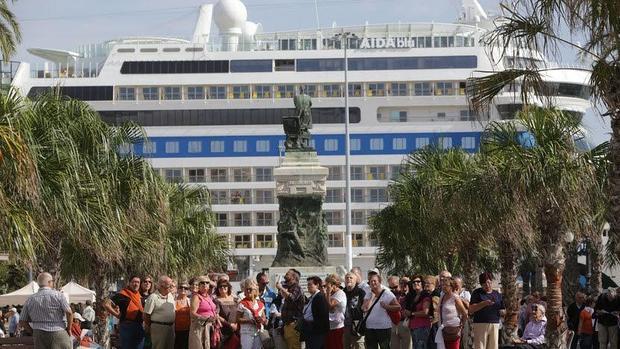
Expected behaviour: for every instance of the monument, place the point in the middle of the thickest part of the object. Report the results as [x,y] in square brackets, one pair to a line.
[300,188]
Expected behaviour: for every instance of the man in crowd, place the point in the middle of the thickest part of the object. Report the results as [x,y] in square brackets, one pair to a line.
[353,313]
[159,314]
[292,307]
[606,310]
[573,311]
[486,305]
[267,295]
[13,322]
[400,334]
[88,313]
[48,314]
[316,315]
[129,311]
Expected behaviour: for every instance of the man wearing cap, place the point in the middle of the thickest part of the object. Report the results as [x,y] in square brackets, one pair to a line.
[13,322]
[159,314]
[48,314]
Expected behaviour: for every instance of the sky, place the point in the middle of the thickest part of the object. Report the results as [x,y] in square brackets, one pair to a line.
[66,24]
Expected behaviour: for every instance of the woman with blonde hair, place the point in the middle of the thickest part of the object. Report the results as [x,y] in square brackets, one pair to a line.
[204,316]
[250,315]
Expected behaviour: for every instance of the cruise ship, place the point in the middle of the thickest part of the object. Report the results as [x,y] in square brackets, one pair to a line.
[212,106]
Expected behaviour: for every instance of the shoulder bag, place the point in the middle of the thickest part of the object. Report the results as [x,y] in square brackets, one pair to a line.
[360,329]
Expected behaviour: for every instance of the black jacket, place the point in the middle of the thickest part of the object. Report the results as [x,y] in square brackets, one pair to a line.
[320,314]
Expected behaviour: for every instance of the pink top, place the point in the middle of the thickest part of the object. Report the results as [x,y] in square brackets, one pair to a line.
[206,307]
[420,322]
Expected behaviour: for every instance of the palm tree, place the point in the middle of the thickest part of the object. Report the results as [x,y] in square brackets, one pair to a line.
[541,25]
[10,34]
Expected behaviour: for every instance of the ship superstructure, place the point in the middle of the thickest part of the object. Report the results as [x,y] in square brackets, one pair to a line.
[212,108]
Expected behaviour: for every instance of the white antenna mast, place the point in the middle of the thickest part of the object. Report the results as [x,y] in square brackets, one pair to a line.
[316,12]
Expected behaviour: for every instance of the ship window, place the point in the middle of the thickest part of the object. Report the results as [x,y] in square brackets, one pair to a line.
[285,65]
[125,148]
[333,217]
[376,144]
[308,44]
[217,146]
[468,142]
[335,240]
[83,93]
[148,50]
[377,195]
[194,147]
[355,90]
[126,93]
[332,91]
[357,194]
[356,144]
[335,173]
[262,91]
[195,92]
[243,220]
[217,92]
[288,44]
[264,174]
[399,63]
[376,173]
[125,50]
[285,91]
[174,67]
[173,175]
[422,89]
[444,142]
[149,147]
[331,145]
[150,93]
[251,66]
[310,90]
[267,116]
[194,49]
[264,219]
[467,115]
[396,116]
[376,89]
[398,89]
[172,93]
[333,195]
[221,218]
[262,146]
[171,49]
[241,92]
[242,241]
[399,143]
[218,175]
[172,147]
[324,64]
[196,175]
[358,217]
[443,88]
[332,44]
[242,174]
[264,241]
[421,142]
[240,146]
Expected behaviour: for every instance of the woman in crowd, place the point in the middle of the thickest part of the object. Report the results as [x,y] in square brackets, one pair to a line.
[337,305]
[182,316]
[203,316]
[585,330]
[227,305]
[250,315]
[534,334]
[419,304]
[452,314]
[378,321]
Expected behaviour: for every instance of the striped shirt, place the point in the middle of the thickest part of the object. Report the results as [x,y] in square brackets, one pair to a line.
[45,310]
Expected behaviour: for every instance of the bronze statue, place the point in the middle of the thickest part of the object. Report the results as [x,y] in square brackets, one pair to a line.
[297,127]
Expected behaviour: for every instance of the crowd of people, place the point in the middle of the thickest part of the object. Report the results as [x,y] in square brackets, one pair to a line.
[417,312]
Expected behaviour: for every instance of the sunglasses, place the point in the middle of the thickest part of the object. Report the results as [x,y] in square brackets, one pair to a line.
[417,281]
[147,282]
[222,286]
[203,283]
[184,288]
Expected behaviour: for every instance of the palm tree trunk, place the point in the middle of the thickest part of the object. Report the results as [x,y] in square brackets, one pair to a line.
[100,327]
[611,98]
[554,268]
[537,284]
[595,248]
[509,292]
[570,277]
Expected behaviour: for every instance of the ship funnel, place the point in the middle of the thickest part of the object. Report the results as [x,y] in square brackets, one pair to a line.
[230,17]
[203,25]
[472,12]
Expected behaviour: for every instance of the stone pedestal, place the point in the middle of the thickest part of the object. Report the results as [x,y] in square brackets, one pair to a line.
[302,228]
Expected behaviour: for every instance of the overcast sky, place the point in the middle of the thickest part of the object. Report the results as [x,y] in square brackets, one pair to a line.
[66,24]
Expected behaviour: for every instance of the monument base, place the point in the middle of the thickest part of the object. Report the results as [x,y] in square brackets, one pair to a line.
[277,273]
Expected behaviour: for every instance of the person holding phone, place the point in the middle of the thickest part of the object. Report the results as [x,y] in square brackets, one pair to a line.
[486,305]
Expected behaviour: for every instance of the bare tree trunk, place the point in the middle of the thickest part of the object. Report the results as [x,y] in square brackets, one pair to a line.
[509,293]
[554,268]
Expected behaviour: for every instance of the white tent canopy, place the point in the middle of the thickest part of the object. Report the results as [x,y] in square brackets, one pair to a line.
[76,293]
[19,297]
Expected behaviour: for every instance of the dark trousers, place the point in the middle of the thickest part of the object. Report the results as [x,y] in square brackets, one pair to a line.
[586,341]
[378,338]
[181,339]
[132,335]
[315,341]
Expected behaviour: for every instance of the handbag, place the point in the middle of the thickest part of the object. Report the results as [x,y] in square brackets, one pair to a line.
[265,339]
[451,334]
[360,329]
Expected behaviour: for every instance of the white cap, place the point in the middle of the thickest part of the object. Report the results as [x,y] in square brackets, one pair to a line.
[13,310]
[78,317]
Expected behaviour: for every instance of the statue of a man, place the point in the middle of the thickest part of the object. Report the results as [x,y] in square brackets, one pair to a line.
[303,105]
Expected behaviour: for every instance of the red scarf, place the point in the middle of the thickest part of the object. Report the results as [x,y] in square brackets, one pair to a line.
[250,306]
[134,308]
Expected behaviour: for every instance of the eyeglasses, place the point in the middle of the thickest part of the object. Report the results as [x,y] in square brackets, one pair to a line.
[203,283]
[147,282]
[222,286]
[417,281]
[184,288]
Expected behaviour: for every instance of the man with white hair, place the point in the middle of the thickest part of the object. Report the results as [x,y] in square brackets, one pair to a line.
[48,314]
[13,322]
[159,314]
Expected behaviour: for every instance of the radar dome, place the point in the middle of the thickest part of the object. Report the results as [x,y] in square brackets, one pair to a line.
[229,14]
